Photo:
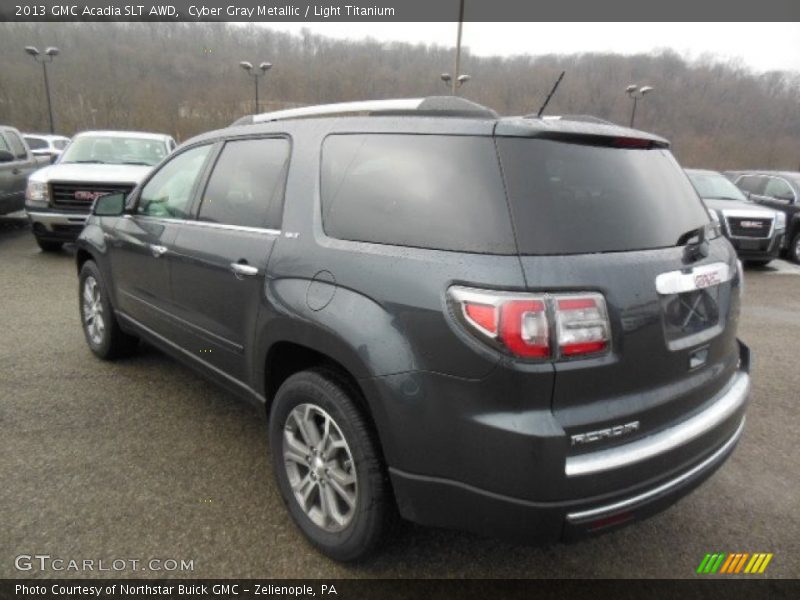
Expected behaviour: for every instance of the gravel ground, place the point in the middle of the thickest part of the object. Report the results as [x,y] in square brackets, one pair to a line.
[144,459]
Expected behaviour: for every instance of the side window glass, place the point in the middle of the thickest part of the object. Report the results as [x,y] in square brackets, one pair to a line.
[17,147]
[36,143]
[778,188]
[168,194]
[3,144]
[246,186]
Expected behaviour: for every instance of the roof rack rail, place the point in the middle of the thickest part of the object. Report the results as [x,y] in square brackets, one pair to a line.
[440,106]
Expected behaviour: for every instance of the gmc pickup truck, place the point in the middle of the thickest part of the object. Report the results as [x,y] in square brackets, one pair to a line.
[16,163]
[59,198]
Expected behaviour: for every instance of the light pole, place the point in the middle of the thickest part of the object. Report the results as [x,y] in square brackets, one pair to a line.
[256,73]
[636,92]
[456,81]
[49,54]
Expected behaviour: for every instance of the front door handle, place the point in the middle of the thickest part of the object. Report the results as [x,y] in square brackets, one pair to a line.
[158,251]
[243,270]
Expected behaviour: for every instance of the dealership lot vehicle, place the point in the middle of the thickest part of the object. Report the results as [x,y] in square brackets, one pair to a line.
[411,327]
[755,231]
[58,198]
[145,456]
[49,146]
[16,164]
[779,190]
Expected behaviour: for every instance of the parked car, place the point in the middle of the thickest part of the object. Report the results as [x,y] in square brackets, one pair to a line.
[755,231]
[16,164]
[518,327]
[59,197]
[779,190]
[50,146]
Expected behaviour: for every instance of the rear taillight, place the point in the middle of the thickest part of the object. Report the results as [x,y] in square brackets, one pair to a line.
[581,324]
[524,324]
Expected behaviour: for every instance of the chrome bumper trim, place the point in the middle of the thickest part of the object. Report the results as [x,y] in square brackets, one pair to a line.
[50,218]
[727,402]
[629,503]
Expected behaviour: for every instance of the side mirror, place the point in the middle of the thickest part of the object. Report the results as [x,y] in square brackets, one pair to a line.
[6,156]
[110,205]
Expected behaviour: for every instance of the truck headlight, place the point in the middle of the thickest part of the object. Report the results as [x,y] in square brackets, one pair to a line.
[715,229]
[780,220]
[37,191]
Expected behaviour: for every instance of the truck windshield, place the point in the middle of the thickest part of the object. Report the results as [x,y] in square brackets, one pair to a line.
[715,186]
[569,198]
[116,150]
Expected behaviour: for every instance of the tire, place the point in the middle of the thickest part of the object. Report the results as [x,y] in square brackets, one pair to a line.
[344,532]
[100,326]
[794,248]
[757,263]
[49,246]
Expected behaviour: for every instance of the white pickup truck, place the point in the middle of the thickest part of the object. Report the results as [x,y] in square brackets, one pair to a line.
[59,198]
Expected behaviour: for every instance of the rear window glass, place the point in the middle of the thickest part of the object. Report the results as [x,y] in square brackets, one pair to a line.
[571,199]
[424,191]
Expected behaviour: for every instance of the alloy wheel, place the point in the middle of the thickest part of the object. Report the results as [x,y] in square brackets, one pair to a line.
[320,467]
[93,314]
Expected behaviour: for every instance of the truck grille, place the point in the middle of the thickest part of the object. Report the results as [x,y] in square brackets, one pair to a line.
[79,197]
[749,227]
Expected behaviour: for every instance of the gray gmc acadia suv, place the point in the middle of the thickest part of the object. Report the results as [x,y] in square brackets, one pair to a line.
[520,327]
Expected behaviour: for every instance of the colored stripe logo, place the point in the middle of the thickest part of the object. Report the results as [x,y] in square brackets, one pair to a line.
[733,563]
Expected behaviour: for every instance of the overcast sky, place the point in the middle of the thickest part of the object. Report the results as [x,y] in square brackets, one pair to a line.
[762,46]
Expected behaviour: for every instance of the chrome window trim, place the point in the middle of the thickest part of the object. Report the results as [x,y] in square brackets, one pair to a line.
[724,405]
[628,503]
[206,224]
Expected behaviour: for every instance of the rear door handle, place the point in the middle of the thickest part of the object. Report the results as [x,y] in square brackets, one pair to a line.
[243,270]
[158,251]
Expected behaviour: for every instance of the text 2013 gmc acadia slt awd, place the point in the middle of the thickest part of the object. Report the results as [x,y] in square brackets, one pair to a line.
[520,327]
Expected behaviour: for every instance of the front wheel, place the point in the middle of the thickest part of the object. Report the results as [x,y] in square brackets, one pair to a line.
[328,466]
[794,248]
[100,326]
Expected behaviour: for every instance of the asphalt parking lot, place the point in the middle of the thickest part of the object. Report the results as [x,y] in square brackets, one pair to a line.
[143,459]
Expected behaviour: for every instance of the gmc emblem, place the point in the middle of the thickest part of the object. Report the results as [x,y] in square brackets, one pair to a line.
[90,196]
[751,224]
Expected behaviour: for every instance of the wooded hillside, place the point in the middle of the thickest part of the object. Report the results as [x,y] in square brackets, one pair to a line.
[184,79]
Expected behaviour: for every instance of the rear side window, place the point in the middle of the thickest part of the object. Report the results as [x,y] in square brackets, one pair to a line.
[36,143]
[60,144]
[572,199]
[3,144]
[423,191]
[246,186]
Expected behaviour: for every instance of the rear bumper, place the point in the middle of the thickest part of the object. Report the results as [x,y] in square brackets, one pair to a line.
[56,226]
[10,204]
[649,474]
[442,503]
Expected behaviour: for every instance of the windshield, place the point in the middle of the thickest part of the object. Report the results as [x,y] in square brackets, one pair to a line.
[715,186]
[115,150]
[569,198]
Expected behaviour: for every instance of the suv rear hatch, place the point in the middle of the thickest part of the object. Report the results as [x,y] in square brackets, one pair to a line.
[613,214]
